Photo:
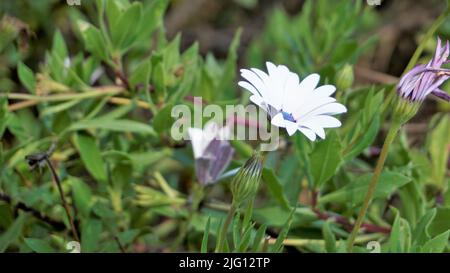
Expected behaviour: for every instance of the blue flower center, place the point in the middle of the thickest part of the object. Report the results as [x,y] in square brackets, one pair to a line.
[288,116]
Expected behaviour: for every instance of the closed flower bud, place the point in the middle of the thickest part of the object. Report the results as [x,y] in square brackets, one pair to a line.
[246,182]
[345,77]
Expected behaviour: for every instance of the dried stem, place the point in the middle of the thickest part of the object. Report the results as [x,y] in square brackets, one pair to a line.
[63,199]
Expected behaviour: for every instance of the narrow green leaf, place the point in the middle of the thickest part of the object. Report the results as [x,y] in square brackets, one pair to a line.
[91,156]
[90,235]
[13,233]
[163,119]
[275,187]
[204,248]
[119,125]
[438,139]
[82,195]
[325,159]
[330,239]
[93,40]
[245,240]
[26,77]
[39,245]
[355,191]
[278,246]
[420,233]
[258,241]
[437,244]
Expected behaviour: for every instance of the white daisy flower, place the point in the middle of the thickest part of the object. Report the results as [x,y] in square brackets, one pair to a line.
[212,151]
[292,104]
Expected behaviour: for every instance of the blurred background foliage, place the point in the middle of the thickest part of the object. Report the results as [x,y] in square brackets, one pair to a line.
[99,80]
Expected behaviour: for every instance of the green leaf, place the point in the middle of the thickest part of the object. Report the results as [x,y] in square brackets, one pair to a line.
[230,66]
[245,240]
[59,47]
[204,248]
[82,195]
[438,140]
[13,233]
[259,238]
[142,73]
[124,32]
[278,246]
[152,18]
[420,234]
[4,115]
[355,191]
[159,80]
[26,77]
[330,239]
[275,187]
[50,110]
[400,237]
[119,125]
[437,244]
[39,245]
[93,40]
[163,119]
[91,156]
[325,159]
[441,222]
[90,235]
[366,139]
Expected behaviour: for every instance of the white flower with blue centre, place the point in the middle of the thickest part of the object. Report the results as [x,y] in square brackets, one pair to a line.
[291,103]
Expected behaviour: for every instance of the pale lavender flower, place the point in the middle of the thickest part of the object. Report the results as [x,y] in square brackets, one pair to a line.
[424,79]
[212,151]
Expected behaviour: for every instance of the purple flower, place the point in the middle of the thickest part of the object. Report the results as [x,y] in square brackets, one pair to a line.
[212,151]
[424,79]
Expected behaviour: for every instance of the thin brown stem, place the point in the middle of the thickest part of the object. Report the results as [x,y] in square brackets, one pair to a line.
[63,199]
[119,244]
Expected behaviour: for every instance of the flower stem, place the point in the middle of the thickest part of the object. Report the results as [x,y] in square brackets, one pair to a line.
[223,233]
[63,199]
[373,183]
[197,197]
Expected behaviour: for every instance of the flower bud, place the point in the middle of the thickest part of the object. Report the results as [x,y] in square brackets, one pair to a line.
[345,77]
[246,182]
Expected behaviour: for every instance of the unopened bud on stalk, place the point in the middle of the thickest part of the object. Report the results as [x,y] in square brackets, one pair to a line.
[246,182]
[345,77]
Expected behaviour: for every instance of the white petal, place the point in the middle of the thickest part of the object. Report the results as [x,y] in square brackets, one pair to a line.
[198,143]
[291,90]
[254,80]
[310,82]
[279,121]
[325,90]
[256,99]
[261,74]
[315,127]
[291,127]
[249,87]
[308,133]
[224,133]
[327,109]
[325,121]
[310,104]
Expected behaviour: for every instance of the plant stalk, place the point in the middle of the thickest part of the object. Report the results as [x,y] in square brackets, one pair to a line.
[63,199]
[373,183]
[223,233]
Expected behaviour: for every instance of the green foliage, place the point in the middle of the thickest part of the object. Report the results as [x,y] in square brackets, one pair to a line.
[102,88]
